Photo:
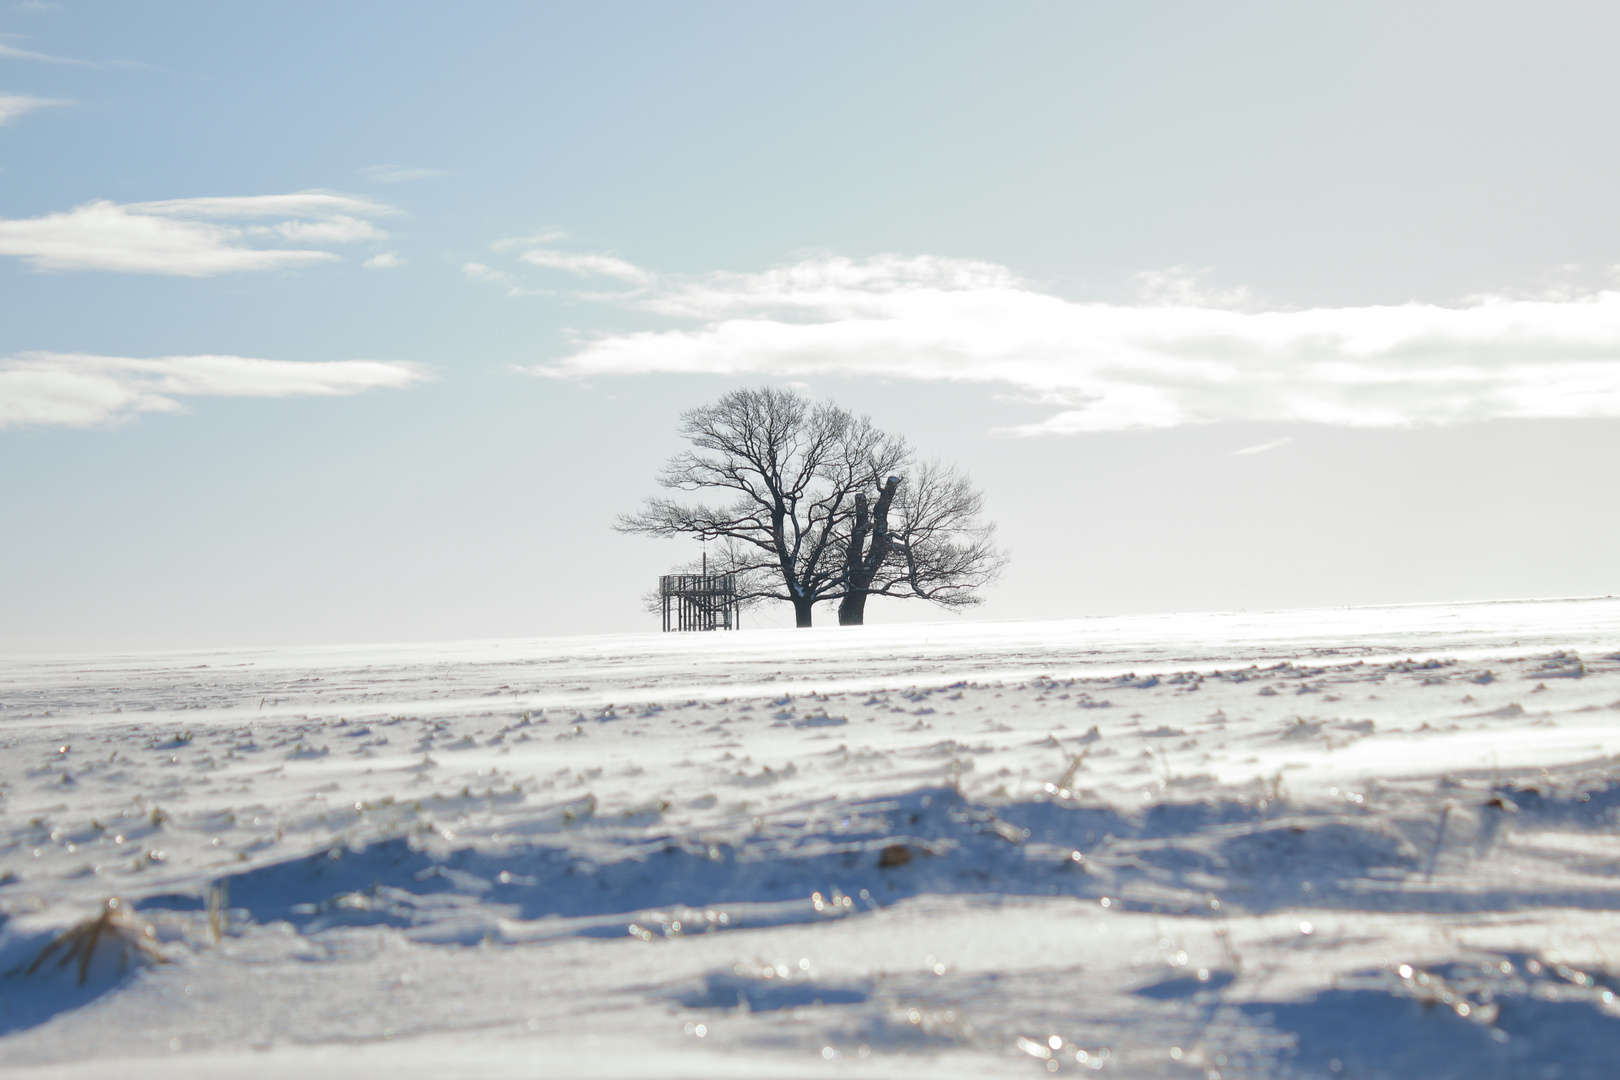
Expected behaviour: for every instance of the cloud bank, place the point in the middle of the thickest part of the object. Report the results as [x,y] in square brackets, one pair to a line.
[193,237]
[14,105]
[1176,358]
[78,390]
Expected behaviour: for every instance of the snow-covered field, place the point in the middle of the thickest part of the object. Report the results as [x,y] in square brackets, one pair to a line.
[1361,843]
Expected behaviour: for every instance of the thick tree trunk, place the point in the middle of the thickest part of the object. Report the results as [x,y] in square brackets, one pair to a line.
[801,612]
[852,608]
[861,566]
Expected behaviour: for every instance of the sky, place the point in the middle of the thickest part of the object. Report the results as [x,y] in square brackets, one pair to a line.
[355,323]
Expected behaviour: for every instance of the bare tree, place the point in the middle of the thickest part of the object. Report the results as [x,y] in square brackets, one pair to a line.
[791,470]
[818,508]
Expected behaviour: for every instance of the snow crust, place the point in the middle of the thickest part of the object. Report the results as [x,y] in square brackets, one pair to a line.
[1377,842]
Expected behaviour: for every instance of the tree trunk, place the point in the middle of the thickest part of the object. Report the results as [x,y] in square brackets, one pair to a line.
[852,608]
[862,566]
[801,613]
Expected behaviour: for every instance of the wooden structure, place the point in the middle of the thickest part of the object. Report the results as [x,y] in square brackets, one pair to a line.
[699,601]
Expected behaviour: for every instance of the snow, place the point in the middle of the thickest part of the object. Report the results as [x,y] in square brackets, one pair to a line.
[1367,842]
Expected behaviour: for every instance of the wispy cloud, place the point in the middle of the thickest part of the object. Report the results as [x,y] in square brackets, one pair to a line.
[386,260]
[1261,448]
[11,52]
[485,275]
[488,275]
[36,7]
[79,390]
[193,237]
[578,263]
[399,174]
[1180,286]
[509,242]
[1104,367]
[587,265]
[15,105]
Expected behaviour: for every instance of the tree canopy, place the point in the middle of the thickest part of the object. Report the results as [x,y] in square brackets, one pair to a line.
[814,503]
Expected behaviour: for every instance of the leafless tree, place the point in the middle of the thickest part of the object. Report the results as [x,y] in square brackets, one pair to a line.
[818,509]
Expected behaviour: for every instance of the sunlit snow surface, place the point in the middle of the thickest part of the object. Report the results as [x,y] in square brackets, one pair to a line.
[1362,843]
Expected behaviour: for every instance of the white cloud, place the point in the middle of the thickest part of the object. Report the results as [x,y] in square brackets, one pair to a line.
[78,390]
[486,275]
[36,7]
[510,242]
[399,174]
[387,260]
[1110,367]
[1261,448]
[299,204]
[336,230]
[587,265]
[192,237]
[15,105]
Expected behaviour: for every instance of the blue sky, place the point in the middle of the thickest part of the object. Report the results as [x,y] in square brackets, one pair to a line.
[334,323]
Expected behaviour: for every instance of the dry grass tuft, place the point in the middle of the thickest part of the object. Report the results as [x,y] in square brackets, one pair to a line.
[115,925]
[219,911]
[894,855]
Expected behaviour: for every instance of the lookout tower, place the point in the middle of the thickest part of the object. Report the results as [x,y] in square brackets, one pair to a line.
[699,601]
